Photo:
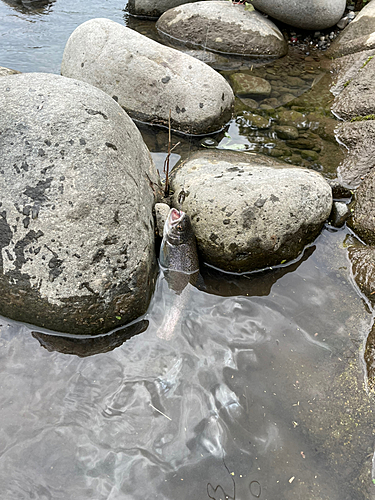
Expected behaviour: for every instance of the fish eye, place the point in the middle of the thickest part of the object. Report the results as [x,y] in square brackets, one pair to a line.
[179,227]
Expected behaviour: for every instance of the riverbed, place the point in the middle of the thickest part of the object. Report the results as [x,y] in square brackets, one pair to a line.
[261,392]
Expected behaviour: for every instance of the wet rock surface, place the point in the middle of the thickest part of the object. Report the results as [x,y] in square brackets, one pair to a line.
[357,100]
[362,259]
[363,218]
[359,139]
[150,8]
[358,35]
[305,14]
[223,27]
[248,211]
[148,79]
[76,226]
[7,71]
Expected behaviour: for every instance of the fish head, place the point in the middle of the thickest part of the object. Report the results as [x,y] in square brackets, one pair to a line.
[177,227]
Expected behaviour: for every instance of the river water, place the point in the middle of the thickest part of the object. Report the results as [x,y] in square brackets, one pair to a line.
[261,392]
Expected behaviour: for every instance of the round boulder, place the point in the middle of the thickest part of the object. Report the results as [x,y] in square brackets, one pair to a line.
[303,14]
[249,211]
[150,8]
[149,80]
[223,27]
[77,192]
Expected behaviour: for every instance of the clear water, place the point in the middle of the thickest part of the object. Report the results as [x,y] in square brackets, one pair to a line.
[260,392]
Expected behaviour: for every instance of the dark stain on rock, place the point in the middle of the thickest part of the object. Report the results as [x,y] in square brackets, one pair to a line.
[99,254]
[92,112]
[82,141]
[110,145]
[5,235]
[41,152]
[214,237]
[111,240]
[260,202]
[82,64]
[37,192]
[166,79]
[20,246]
[248,217]
[47,142]
[26,222]
[55,265]
[226,221]
[25,166]
[115,98]
[274,198]
[233,169]
[116,219]
[178,110]
[201,105]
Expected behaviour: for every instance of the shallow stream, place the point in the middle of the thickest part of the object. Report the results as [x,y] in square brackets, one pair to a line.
[261,392]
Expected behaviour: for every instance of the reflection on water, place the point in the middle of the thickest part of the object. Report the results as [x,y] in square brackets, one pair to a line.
[218,409]
[258,393]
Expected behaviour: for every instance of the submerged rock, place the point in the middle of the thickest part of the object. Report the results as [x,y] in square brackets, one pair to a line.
[358,35]
[250,86]
[76,226]
[304,14]
[223,27]
[249,211]
[359,139]
[150,8]
[148,79]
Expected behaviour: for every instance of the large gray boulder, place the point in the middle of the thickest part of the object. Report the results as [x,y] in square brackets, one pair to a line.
[150,8]
[77,192]
[359,139]
[357,100]
[358,35]
[147,79]
[249,211]
[223,27]
[304,14]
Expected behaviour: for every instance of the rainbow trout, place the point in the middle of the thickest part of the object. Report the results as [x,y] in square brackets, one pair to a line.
[180,265]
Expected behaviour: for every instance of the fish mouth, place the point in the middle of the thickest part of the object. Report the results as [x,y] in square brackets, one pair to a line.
[175,215]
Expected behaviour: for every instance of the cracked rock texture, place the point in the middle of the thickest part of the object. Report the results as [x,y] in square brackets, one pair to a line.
[147,79]
[249,211]
[76,197]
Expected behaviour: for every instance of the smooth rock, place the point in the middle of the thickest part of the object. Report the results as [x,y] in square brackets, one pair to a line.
[363,215]
[223,27]
[358,97]
[340,212]
[358,35]
[304,14]
[161,213]
[286,132]
[148,79]
[245,85]
[150,8]
[249,211]
[77,192]
[359,140]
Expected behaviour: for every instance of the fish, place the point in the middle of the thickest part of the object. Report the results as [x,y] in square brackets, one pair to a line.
[179,265]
